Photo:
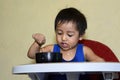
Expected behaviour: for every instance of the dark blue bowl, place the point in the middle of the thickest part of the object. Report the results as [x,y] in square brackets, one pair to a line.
[48,57]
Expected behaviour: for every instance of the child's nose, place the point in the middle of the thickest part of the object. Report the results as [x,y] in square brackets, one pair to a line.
[64,37]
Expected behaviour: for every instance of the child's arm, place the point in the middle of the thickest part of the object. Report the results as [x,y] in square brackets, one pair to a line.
[91,56]
[35,47]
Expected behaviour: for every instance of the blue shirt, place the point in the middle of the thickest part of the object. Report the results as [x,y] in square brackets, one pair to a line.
[79,55]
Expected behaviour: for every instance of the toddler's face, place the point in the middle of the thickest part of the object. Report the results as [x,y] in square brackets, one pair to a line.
[67,35]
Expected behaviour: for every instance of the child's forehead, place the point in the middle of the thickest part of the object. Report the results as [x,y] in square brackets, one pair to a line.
[66,22]
[67,26]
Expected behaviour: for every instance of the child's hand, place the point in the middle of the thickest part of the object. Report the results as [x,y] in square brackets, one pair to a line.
[39,38]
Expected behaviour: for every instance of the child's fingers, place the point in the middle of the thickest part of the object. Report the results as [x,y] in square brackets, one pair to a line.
[40,38]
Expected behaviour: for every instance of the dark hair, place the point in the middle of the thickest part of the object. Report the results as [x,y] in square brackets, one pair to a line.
[72,14]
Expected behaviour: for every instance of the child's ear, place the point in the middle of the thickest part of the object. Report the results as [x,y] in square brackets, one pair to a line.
[80,38]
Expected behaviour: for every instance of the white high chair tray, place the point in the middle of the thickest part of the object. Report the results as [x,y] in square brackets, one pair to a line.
[68,67]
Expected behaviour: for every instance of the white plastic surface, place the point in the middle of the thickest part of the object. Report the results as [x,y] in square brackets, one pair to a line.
[68,67]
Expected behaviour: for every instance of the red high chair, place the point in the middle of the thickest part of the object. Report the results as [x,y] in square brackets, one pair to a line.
[101,50]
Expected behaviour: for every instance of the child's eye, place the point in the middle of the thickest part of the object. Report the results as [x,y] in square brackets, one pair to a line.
[70,35]
[59,33]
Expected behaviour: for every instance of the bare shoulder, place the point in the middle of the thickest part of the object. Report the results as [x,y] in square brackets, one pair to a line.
[90,55]
[87,49]
[47,48]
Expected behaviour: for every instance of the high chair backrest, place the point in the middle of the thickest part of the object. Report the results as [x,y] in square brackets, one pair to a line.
[104,52]
[100,49]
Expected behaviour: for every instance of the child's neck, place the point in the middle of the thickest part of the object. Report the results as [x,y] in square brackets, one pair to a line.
[68,55]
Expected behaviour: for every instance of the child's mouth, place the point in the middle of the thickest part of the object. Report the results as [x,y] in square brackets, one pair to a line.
[64,45]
